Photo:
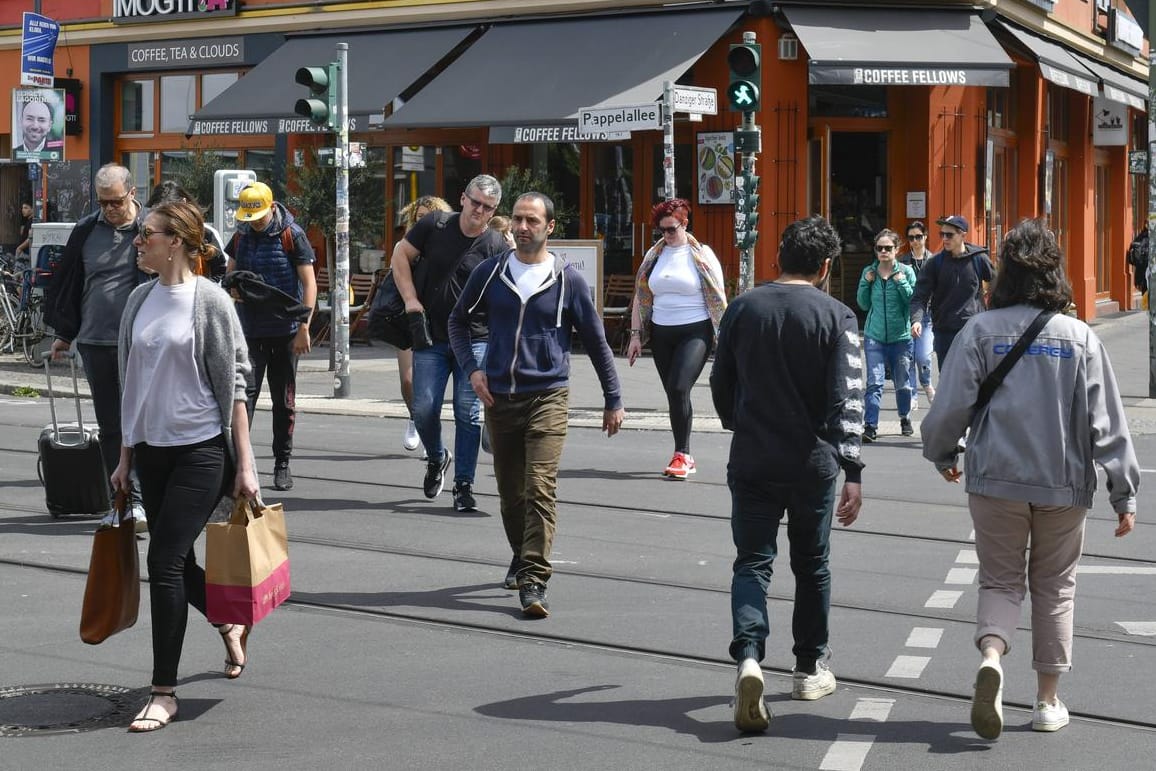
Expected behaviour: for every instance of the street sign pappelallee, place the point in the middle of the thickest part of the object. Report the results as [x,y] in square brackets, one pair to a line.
[697,101]
[630,117]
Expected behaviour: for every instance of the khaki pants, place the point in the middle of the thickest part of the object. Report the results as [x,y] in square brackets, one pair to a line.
[1003,529]
[526,435]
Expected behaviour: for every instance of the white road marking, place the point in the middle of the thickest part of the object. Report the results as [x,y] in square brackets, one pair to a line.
[924,637]
[908,667]
[872,709]
[1114,570]
[847,753]
[1140,628]
[971,536]
[960,576]
[942,599]
[967,557]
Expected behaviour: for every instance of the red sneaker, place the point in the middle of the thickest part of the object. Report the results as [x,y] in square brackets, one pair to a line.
[681,466]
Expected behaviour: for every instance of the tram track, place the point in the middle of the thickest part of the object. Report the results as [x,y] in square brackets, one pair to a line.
[653,653]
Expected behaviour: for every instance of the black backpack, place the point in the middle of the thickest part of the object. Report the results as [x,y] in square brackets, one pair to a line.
[1138,259]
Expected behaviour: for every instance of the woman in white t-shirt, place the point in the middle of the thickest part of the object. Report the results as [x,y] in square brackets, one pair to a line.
[679,299]
[183,367]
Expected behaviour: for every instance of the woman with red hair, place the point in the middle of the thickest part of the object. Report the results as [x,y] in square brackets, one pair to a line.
[679,299]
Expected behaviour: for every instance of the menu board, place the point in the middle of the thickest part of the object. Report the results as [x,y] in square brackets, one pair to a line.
[715,152]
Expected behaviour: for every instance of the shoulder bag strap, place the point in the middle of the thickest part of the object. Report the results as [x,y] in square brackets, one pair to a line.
[993,381]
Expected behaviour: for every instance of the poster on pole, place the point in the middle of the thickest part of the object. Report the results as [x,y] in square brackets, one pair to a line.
[37,124]
[715,152]
[37,46]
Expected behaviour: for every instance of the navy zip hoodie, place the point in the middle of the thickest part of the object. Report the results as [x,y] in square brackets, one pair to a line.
[529,348]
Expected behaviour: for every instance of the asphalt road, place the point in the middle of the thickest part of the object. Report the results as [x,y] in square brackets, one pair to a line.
[399,649]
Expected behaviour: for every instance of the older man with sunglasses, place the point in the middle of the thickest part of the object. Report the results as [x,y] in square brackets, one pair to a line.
[952,284]
[90,286]
[450,246]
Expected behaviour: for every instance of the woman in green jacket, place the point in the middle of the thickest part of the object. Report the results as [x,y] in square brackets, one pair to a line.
[885,289]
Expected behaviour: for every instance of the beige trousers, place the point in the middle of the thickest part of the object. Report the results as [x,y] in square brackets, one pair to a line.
[1007,569]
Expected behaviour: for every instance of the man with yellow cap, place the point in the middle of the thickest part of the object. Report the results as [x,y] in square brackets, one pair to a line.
[271,244]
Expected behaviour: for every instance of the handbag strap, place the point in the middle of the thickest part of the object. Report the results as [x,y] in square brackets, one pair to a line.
[995,379]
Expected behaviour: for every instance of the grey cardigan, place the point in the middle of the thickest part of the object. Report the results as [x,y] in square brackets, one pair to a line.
[1056,415]
[219,346]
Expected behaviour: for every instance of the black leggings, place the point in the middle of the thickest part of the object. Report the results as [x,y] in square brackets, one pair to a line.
[680,353]
[180,487]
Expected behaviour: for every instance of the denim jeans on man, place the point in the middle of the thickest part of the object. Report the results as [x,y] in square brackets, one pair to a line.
[923,347]
[432,368]
[942,344]
[880,358]
[757,508]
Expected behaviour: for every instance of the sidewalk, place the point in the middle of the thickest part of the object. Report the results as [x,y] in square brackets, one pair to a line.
[375,391]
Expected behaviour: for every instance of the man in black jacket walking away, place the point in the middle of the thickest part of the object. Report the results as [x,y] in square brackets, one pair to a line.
[952,282]
[788,381]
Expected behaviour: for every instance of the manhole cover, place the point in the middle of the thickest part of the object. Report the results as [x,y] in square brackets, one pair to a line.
[66,708]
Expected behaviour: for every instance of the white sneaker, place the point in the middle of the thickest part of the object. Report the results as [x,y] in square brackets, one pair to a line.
[137,512]
[987,703]
[750,711]
[929,392]
[1049,717]
[411,441]
[810,687]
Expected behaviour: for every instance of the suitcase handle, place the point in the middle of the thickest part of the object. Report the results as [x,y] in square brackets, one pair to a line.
[71,356]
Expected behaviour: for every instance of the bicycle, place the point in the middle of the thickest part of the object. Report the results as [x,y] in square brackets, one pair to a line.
[21,318]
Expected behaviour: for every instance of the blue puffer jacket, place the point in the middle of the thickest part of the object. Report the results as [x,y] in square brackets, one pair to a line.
[263,252]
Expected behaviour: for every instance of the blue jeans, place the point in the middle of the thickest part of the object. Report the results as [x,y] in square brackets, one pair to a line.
[757,508]
[432,368]
[921,359]
[880,358]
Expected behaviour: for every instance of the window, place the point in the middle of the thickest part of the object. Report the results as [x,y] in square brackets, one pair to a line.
[847,101]
[136,105]
[1000,108]
[1058,116]
[214,84]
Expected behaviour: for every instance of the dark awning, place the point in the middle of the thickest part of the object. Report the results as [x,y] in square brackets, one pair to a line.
[543,72]
[1057,64]
[381,66]
[1117,86]
[889,47]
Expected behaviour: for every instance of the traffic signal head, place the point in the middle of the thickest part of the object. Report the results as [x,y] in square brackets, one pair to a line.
[321,106]
[745,61]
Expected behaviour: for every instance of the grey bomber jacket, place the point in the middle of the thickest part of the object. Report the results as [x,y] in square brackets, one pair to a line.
[1056,414]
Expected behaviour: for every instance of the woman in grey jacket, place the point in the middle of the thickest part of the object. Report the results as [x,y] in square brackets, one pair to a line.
[1030,464]
[183,366]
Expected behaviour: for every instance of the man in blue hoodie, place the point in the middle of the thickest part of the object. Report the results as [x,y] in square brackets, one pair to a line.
[272,245]
[535,302]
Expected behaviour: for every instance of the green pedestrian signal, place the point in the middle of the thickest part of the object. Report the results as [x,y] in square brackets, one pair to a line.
[745,61]
[321,106]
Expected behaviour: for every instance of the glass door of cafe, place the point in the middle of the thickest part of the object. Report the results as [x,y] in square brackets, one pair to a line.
[848,185]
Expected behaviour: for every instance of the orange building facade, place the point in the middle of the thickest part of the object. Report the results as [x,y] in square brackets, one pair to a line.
[1036,116]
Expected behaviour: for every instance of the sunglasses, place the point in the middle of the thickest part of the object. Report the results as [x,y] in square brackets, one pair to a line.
[113,203]
[146,232]
[915,237]
[884,248]
[484,207]
[670,231]
[946,234]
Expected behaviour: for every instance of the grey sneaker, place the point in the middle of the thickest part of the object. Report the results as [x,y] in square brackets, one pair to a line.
[435,474]
[809,687]
[987,703]
[870,434]
[1049,717]
[905,427]
[464,497]
[511,581]
[750,712]
[532,595]
[282,479]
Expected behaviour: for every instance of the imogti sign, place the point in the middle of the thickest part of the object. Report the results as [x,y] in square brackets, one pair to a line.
[128,10]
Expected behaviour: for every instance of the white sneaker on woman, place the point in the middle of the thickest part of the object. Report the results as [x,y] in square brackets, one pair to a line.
[1049,717]
[411,441]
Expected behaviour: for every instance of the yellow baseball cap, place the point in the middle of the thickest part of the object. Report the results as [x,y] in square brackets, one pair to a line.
[255,202]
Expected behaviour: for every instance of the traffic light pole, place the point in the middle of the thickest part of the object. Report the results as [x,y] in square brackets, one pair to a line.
[746,253]
[339,286]
[668,139]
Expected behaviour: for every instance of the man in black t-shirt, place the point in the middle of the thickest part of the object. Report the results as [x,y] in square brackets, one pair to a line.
[450,247]
[788,381]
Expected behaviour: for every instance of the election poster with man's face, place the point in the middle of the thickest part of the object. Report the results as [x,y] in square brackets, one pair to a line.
[37,124]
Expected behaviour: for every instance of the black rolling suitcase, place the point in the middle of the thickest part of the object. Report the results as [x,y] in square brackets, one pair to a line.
[71,465]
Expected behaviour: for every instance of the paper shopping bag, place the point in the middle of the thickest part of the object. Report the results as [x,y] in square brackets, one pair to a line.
[246,564]
[112,591]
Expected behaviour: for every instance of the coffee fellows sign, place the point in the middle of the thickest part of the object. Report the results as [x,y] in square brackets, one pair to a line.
[131,11]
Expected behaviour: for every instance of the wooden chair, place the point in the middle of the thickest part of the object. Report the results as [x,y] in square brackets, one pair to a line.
[617,297]
[362,284]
